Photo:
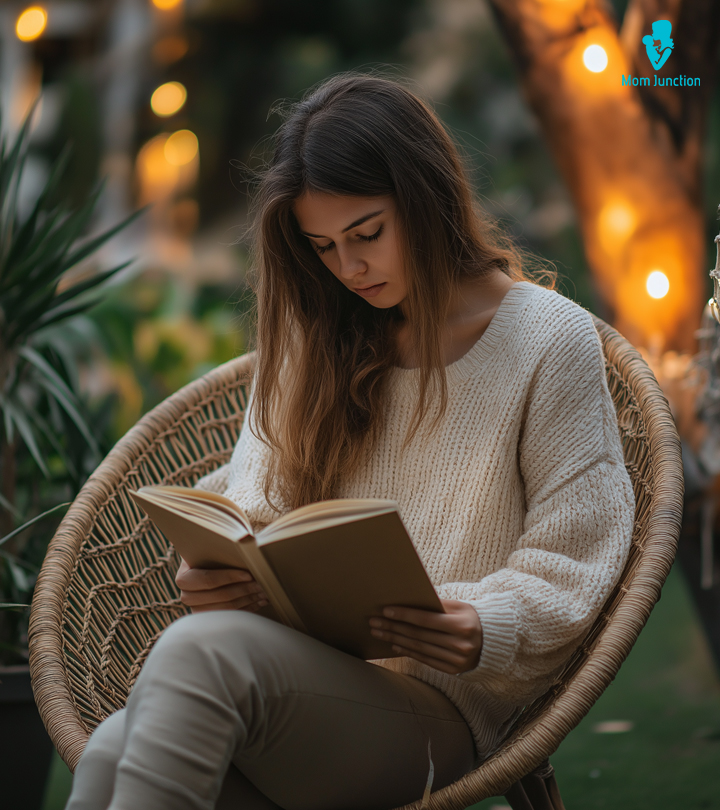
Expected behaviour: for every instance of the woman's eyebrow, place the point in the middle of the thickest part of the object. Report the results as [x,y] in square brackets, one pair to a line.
[352,224]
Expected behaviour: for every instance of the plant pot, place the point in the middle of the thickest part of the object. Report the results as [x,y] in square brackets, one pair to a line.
[25,747]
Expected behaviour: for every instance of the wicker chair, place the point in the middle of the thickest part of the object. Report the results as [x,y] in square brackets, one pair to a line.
[106,590]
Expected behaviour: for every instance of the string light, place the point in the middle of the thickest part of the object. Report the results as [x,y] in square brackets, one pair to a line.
[181,147]
[657,284]
[166,5]
[616,223]
[595,58]
[168,99]
[31,23]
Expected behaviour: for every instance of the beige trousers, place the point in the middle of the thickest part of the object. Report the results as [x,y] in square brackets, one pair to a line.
[236,712]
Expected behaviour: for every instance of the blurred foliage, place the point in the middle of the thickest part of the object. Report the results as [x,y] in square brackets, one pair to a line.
[157,333]
[44,426]
[80,127]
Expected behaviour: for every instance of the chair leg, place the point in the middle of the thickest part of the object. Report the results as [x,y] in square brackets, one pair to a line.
[537,790]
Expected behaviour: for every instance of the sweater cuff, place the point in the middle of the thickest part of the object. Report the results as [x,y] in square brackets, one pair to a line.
[499,621]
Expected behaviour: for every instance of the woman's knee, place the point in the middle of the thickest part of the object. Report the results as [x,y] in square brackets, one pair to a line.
[108,739]
[224,642]
[209,631]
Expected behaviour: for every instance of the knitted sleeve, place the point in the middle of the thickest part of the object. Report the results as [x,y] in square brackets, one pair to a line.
[577,528]
[242,478]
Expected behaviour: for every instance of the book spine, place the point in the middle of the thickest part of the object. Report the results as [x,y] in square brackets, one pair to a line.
[267,580]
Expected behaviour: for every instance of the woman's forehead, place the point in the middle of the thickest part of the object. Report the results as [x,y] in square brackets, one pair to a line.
[317,212]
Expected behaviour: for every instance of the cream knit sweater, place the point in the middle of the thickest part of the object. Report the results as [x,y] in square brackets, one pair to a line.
[519,503]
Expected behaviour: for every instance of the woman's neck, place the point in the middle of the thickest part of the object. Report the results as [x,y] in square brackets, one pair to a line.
[473,305]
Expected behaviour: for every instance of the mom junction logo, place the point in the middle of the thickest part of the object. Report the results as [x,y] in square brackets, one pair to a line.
[658,47]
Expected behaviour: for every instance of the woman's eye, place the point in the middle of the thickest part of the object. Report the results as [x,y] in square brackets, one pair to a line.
[373,237]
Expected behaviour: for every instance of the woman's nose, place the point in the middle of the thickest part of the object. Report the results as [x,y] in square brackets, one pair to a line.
[350,264]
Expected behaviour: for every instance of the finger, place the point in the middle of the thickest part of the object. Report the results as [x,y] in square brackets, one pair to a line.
[192,600]
[227,593]
[423,618]
[461,619]
[224,594]
[436,663]
[390,631]
[450,655]
[464,637]
[200,579]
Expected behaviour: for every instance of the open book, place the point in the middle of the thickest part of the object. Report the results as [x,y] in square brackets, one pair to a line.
[326,567]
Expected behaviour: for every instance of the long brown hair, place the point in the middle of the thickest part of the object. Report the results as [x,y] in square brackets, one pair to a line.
[324,353]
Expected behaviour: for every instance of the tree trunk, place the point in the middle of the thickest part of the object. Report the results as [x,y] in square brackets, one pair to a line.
[631,155]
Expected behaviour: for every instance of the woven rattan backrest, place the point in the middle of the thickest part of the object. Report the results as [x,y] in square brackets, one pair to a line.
[106,589]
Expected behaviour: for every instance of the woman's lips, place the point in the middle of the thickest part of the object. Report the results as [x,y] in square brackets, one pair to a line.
[370,292]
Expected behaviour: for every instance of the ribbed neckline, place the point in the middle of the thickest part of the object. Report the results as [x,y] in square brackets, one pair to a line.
[486,344]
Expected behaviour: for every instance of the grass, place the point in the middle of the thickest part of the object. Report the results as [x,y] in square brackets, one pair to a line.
[668,689]
[59,784]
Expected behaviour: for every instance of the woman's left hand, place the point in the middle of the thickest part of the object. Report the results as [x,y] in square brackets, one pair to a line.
[450,641]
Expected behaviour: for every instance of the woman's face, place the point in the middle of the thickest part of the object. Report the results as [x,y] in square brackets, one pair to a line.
[357,240]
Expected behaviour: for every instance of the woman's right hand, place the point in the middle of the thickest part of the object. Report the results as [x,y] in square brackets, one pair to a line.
[204,589]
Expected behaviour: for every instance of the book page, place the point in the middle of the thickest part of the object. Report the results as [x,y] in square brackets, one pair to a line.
[204,498]
[324,513]
[208,517]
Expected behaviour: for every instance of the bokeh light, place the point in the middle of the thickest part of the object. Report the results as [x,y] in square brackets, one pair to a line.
[181,147]
[31,23]
[616,223]
[157,177]
[657,284]
[168,99]
[595,58]
[166,5]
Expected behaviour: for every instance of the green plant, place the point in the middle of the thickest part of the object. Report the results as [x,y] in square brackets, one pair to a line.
[44,425]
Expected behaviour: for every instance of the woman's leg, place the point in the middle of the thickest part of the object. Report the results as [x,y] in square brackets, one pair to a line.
[94,778]
[310,726]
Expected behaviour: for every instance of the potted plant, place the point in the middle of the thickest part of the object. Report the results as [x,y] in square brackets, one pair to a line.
[48,436]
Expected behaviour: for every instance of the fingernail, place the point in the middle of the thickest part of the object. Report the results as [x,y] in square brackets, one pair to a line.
[263,602]
[375,622]
[376,633]
[389,612]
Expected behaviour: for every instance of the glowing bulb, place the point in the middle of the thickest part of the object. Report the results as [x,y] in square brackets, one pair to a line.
[657,284]
[168,99]
[595,58]
[31,23]
[181,147]
[166,5]
[619,219]
[616,222]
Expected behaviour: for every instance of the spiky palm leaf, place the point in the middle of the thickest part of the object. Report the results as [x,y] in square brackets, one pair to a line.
[35,256]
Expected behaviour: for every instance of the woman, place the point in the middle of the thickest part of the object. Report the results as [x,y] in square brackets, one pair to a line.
[401,354]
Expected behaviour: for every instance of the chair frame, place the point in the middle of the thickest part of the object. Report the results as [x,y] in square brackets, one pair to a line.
[69,655]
